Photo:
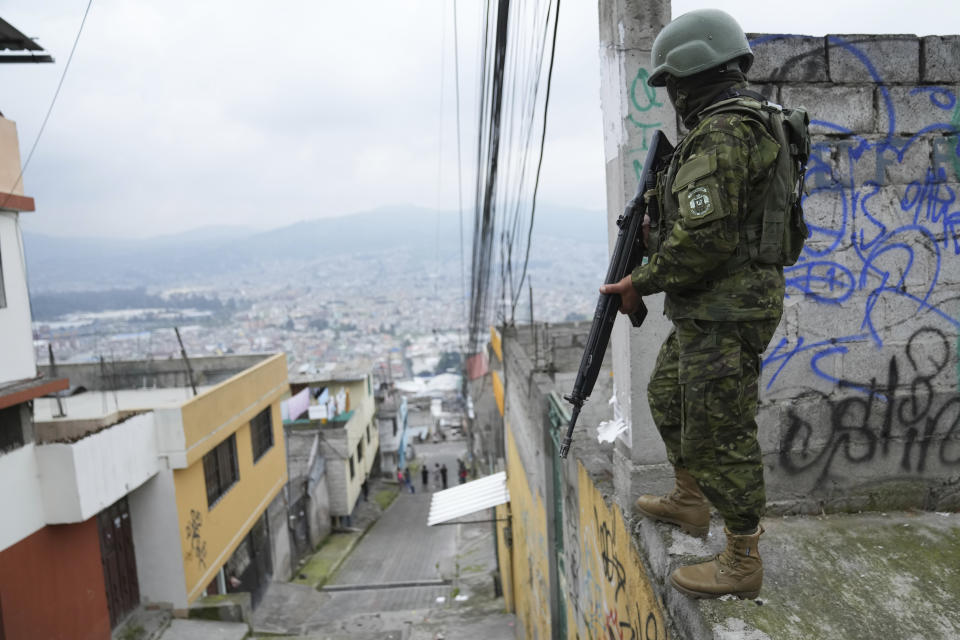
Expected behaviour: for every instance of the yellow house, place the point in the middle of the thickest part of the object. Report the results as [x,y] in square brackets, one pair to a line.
[227,463]
[191,480]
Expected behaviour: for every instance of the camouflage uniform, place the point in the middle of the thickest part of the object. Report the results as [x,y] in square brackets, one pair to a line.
[703,391]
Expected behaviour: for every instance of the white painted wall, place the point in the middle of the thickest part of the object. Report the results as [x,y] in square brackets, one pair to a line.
[156,541]
[16,336]
[171,438]
[21,501]
[80,479]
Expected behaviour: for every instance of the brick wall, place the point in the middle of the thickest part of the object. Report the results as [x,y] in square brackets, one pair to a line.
[860,404]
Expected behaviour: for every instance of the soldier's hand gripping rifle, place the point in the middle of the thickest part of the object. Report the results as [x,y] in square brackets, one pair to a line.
[627,254]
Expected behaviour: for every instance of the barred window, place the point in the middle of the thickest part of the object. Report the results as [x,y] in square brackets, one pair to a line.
[220,469]
[261,433]
[353,470]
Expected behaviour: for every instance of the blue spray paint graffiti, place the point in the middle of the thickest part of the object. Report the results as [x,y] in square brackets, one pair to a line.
[871,254]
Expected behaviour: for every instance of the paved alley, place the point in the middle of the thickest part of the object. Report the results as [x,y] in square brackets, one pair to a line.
[403,580]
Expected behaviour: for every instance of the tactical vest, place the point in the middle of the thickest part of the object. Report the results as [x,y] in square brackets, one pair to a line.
[774,231]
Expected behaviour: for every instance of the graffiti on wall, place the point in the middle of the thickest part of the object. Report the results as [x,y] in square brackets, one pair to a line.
[885,251]
[195,543]
[530,557]
[643,98]
[916,427]
[615,600]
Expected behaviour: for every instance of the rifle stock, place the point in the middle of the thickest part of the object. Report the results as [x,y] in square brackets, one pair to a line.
[627,254]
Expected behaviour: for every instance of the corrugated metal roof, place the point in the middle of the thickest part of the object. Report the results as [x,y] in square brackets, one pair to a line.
[468,498]
[11,39]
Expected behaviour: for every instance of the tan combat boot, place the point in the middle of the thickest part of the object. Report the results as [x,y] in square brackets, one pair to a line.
[685,506]
[737,571]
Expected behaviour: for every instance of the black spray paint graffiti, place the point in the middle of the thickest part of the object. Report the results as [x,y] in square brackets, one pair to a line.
[616,574]
[198,546]
[905,412]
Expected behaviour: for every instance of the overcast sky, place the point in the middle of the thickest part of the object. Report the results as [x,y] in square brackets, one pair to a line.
[180,114]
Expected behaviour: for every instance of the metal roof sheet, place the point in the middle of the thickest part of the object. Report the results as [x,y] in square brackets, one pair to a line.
[468,498]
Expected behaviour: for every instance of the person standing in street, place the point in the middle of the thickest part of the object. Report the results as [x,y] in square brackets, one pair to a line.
[425,475]
[443,475]
[407,481]
[462,471]
[724,304]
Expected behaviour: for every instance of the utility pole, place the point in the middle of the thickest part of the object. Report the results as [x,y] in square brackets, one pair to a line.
[186,361]
[53,374]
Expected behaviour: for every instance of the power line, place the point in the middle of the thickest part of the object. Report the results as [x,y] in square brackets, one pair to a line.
[511,79]
[543,138]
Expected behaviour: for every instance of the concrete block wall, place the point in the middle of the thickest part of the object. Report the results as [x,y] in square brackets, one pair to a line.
[860,404]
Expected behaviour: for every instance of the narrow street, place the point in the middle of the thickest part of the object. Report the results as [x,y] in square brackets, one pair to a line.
[403,580]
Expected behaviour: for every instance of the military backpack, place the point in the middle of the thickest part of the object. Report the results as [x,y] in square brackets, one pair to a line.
[776,235]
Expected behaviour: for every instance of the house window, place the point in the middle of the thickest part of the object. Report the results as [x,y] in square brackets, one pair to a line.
[220,469]
[360,450]
[11,428]
[261,433]
[368,434]
[394,426]
[353,471]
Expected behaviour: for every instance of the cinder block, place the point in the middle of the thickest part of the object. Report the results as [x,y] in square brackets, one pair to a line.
[932,318]
[834,110]
[908,110]
[881,160]
[825,209]
[933,205]
[867,366]
[879,211]
[949,275]
[769,419]
[804,431]
[788,58]
[946,158]
[889,59]
[939,62]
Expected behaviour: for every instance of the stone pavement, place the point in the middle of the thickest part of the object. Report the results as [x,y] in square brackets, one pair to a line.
[205,630]
[402,581]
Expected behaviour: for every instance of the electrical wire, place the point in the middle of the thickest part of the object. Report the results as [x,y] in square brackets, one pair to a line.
[512,60]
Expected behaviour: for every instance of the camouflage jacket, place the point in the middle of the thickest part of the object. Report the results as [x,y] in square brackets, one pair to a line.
[704,194]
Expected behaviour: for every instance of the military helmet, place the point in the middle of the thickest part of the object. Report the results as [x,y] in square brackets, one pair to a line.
[697,41]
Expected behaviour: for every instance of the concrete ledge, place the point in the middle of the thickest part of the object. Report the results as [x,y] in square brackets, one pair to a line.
[230,607]
[856,577]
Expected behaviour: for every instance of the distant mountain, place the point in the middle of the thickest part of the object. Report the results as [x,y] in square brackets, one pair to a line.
[58,263]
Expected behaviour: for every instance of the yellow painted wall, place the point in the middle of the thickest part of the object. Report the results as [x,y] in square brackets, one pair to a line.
[504,551]
[496,343]
[530,561]
[218,412]
[498,391]
[208,536]
[616,598]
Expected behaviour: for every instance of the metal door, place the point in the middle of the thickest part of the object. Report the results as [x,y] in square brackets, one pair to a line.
[119,560]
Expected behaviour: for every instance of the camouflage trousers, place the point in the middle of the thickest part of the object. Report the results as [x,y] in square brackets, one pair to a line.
[703,397]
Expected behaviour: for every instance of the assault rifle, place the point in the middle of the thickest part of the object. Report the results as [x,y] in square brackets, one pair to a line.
[627,254]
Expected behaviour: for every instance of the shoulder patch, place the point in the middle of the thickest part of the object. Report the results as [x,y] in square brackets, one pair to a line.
[699,202]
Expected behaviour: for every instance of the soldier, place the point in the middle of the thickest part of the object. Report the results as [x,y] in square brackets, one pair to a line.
[724,307]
